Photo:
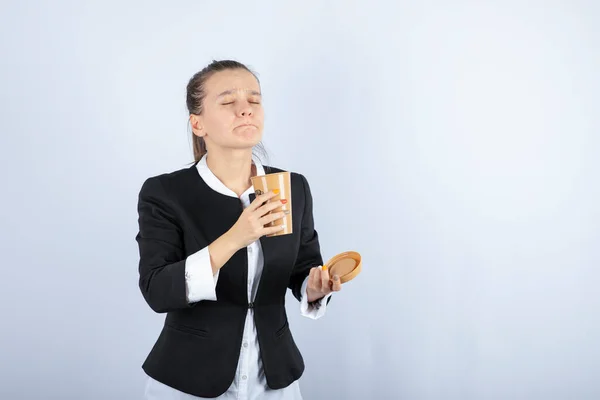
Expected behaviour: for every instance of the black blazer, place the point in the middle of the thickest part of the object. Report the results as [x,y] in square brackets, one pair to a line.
[198,348]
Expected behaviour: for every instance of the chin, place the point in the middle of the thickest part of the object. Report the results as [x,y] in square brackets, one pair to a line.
[252,143]
[243,144]
[248,137]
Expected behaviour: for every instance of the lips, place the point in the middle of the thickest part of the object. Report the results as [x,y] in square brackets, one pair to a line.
[243,125]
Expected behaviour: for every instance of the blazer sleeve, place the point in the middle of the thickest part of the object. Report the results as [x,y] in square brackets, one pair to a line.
[162,260]
[309,252]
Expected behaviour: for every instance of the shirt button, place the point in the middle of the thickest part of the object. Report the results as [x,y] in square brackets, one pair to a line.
[245,344]
[244,377]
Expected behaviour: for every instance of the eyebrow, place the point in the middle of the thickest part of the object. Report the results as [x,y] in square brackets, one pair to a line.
[231,91]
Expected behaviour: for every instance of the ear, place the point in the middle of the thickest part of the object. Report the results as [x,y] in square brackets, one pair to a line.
[196,124]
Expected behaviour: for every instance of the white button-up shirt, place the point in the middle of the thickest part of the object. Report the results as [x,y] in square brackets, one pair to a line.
[249,382]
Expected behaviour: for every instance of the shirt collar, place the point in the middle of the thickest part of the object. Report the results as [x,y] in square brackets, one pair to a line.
[215,184]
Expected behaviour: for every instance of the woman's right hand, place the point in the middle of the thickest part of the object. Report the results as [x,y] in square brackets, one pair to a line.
[250,226]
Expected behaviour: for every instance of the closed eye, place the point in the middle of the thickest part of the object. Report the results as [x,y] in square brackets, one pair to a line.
[251,102]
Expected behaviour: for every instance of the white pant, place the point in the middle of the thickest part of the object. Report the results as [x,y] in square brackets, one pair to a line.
[156,390]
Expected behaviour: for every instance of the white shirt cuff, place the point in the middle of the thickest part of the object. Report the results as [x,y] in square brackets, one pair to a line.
[312,311]
[200,283]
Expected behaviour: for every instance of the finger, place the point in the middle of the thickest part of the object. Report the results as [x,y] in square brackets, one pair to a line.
[272,229]
[311,278]
[259,200]
[268,207]
[267,220]
[337,284]
[270,218]
[324,279]
[316,279]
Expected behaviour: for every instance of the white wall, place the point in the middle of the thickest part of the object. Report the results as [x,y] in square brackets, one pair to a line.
[454,144]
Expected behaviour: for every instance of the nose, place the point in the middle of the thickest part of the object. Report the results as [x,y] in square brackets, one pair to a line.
[245,110]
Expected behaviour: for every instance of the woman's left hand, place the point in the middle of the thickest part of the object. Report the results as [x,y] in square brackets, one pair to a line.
[320,284]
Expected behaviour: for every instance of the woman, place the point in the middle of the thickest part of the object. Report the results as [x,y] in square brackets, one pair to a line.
[205,260]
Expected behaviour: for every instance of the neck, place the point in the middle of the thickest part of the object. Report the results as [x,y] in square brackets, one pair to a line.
[232,167]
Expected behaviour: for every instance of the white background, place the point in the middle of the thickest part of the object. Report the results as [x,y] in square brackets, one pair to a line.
[454,144]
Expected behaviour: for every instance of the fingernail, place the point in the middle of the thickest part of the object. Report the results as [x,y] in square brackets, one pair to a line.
[286,212]
[324,267]
[283,201]
[336,277]
[276,191]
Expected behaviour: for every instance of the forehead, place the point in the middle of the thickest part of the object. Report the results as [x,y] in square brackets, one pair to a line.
[235,80]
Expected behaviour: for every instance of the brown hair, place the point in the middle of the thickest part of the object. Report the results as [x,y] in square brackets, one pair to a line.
[196,93]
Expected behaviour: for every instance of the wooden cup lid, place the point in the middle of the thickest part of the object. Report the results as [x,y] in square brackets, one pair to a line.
[347,265]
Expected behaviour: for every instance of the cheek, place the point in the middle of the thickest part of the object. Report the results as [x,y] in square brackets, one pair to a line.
[220,120]
[259,115]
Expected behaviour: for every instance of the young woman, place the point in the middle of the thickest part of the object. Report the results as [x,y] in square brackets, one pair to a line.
[206,262]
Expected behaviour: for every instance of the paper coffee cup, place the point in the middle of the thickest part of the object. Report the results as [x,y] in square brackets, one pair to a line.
[280,181]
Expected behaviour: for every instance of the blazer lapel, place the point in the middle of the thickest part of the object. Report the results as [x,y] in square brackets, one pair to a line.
[268,251]
[213,214]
